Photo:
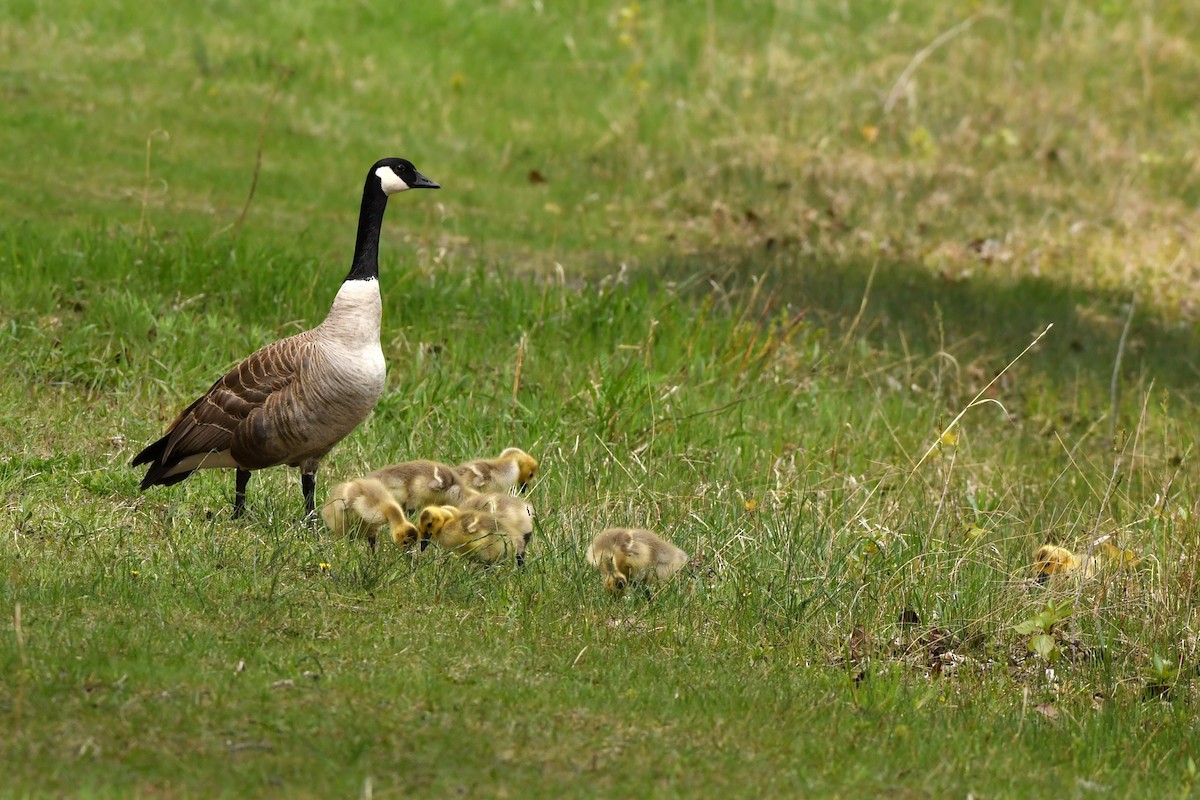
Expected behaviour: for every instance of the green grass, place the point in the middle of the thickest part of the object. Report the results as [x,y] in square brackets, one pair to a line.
[741,309]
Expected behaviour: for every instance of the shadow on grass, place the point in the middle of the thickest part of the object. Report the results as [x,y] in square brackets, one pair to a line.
[913,311]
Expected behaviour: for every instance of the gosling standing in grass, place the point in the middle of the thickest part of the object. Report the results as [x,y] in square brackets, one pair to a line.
[479,535]
[512,468]
[416,484]
[362,507]
[633,555]
[293,400]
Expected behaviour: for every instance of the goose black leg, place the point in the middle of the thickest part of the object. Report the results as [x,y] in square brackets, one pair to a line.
[308,483]
[239,493]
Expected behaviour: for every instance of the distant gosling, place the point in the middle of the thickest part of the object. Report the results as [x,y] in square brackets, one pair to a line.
[362,507]
[628,555]
[416,484]
[514,513]
[479,535]
[1050,559]
[512,468]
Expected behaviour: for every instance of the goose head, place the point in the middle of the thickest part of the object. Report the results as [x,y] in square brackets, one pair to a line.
[399,175]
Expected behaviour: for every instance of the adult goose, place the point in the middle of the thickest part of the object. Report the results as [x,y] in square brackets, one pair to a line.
[293,400]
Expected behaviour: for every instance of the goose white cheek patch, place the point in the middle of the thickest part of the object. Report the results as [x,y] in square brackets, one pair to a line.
[390,181]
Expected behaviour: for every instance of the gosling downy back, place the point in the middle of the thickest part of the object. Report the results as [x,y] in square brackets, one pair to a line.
[416,484]
[628,555]
[515,513]
[512,468]
[292,401]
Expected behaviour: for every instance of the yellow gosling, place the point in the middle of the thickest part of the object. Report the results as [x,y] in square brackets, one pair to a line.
[478,535]
[629,555]
[1051,559]
[515,514]
[361,507]
[512,468]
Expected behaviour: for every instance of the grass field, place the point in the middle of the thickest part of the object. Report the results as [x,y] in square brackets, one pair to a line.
[759,276]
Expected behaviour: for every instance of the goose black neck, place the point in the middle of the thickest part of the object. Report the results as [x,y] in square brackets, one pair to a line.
[370,218]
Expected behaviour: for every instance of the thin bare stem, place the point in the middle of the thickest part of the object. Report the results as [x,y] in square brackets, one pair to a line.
[924,53]
[517,369]
[166,137]
[1114,387]
[284,74]
[977,400]
[862,306]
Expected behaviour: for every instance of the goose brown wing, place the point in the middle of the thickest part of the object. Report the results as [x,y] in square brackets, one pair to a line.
[214,422]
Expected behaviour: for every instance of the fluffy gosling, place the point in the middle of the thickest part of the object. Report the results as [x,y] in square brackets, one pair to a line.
[1050,559]
[362,507]
[514,513]
[513,467]
[416,484]
[628,555]
[475,534]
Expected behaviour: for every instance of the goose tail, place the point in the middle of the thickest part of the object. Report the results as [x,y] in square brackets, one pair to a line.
[156,474]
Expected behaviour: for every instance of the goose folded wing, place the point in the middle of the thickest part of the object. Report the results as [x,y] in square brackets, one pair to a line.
[212,422]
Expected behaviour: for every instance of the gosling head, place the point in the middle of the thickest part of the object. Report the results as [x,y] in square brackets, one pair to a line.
[1052,560]
[527,465]
[399,175]
[406,535]
[615,582]
[432,520]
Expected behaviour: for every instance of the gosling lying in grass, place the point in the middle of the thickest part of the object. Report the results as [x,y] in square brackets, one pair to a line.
[361,507]
[479,535]
[1050,559]
[514,513]
[512,468]
[629,555]
[416,484]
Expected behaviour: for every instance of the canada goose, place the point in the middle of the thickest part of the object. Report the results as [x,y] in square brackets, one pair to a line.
[626,555]
[416,484]
[514,513]
[366,505]
[513,467]
[476,534]
[293,400]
